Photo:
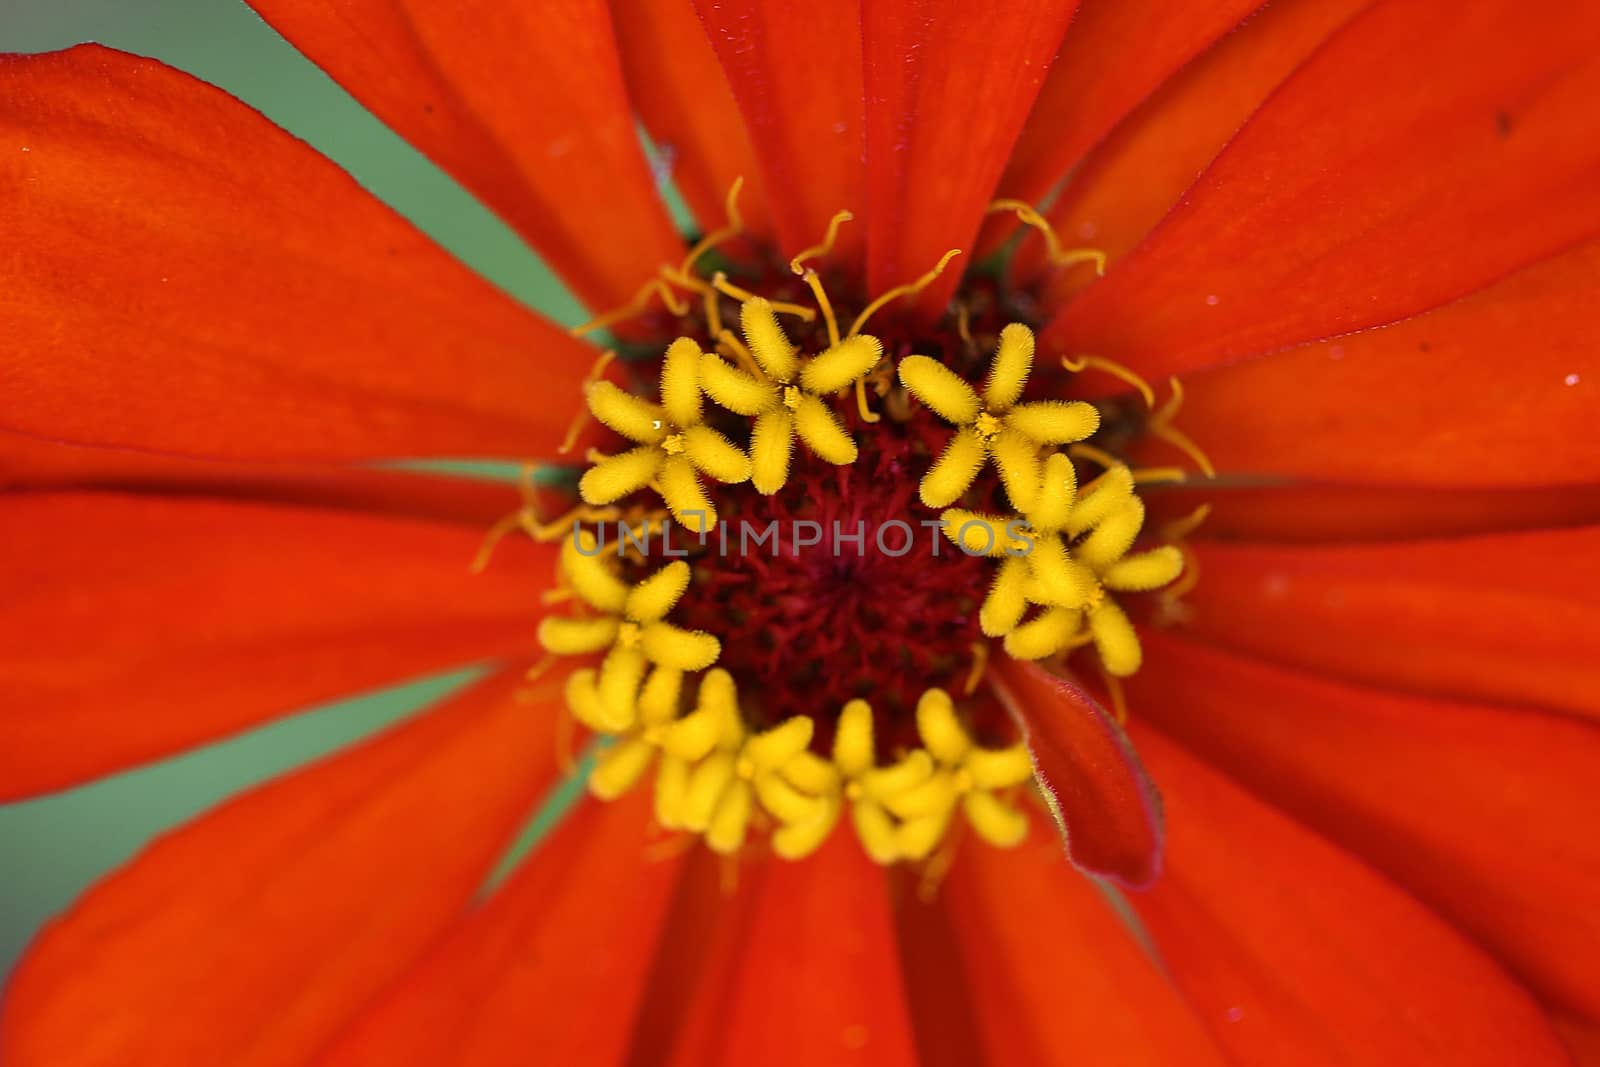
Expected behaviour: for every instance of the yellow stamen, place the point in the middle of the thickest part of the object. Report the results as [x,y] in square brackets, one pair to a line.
[1084,450]
[980,661]
[634,307]
[1159,475]
[582,417]
[824,306]
[1161,426]
[839,219]
[909,289]
[741,355]
[734,226]
[1179,529]
[723,285]
[866,413]
[1054,252]
[964,327]
[1119,697]
[1116,370]
[495,534]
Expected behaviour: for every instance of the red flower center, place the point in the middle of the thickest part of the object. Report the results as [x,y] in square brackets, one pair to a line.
[858,513]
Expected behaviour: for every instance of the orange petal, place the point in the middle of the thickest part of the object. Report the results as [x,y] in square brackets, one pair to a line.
[1025,928]
[554,964]
[1373,185]
[1323,514]
[948,85]
[684,101]
[1497,389]
[1500,617]
[253,934]
[1582,1038]
[30,463]
[523,104]
[796,71]
[1485,813]
[1109,811]
[787,964]
[136,627]
[1115,54]
[183,276]
[698,958]
[841,998]
[1132,178]
[1293,952]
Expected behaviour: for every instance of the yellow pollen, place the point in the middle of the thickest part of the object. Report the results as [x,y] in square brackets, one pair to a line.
[988,425]
[674,445]
[628,635]
[791,397]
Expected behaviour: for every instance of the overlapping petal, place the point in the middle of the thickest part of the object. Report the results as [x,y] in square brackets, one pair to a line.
[183,276]
[1581,1037]
[550,970]
[677,87]
[1023,930]
[796,72]
[1123,187]
[840,1000]
[1483,812]
[1499,617]
[1314,513]
[138,626]
[1292,951]
[1115,54]
[1109,810]
[524,104]
[948,85]
[254,933]
[1497,389]
[1376,183]
[32,463]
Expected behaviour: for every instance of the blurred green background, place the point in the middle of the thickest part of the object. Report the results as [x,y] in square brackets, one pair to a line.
[53,848]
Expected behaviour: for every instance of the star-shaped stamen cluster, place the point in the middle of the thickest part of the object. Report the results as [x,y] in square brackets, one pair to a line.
[993,426]
[676,447]
[1061,561]
[786,394]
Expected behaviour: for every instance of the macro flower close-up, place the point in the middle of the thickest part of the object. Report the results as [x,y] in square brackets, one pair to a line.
[1045,532]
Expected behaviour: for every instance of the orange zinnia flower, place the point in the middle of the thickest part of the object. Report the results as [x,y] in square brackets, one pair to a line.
[1367,235]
